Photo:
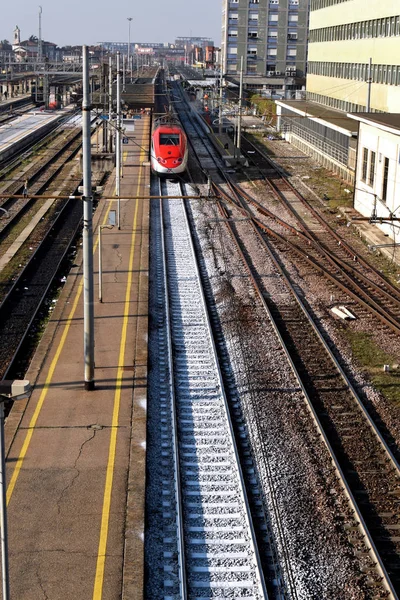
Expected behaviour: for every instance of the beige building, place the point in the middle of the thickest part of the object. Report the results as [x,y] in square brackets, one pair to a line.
[344,36]
[353,66]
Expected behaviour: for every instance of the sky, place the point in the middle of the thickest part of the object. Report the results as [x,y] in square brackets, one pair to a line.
[91,21]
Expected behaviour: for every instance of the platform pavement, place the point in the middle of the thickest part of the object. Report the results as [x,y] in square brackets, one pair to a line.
[76,458]
[10,102]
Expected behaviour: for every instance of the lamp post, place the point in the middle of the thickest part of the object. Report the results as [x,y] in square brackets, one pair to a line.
[129,45]
[9,390]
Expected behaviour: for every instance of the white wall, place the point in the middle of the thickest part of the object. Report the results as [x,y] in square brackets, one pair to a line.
[386,145]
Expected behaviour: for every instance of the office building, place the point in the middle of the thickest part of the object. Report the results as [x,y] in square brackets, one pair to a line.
[344,37]
[353,66]
[271,36]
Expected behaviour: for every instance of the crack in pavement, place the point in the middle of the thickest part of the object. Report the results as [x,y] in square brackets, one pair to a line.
[94,429]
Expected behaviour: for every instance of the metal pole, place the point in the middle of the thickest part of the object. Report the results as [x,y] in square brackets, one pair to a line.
[118,142]
[110,132]
[129,46]
[40,35]
[369,82]
[123,72]
[220,103]
[239,127]
[88,315]
[5,575]
[100,269]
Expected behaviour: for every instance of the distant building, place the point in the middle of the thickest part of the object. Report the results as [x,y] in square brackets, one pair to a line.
[271,37]
[29,49]
[191,42]
[123,46]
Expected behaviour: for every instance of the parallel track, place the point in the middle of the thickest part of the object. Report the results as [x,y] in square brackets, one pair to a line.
[367,468]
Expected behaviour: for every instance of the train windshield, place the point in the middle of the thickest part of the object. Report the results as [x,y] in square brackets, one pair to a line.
[169,139]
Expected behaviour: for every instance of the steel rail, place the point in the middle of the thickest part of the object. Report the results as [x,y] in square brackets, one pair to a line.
[369,304]
[380,566]
[174,422]
[343,244]
[241,489]
[362,525]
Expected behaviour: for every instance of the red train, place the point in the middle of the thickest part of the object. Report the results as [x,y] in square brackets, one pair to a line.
[169,148]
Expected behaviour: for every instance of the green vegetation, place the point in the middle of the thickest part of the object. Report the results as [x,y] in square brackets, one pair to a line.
[265,108]
[371,358]
[329,185]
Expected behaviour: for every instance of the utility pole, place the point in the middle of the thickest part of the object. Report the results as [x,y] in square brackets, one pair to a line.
[220,102]
[118,143]
[16,389]
[110,132]
[369,83]
[40,36]
[123,72]
[88,287]
[239,127]
[129,47]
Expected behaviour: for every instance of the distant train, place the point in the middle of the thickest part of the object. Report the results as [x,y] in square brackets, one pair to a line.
[169,148]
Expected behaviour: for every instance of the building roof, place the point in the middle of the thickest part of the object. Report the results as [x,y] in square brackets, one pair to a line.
[335,119]
[386,121]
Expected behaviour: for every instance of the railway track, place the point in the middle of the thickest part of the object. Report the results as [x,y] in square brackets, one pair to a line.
[39,176]
[312,234]
[24,296]
[213,535]
[365,464]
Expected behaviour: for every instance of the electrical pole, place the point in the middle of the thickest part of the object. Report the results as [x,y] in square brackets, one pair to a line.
[129,46]
[369,82]
[40,35]
[88,293]
[221,97]
[110,132]
[123,72]
[239,127]
[118,142]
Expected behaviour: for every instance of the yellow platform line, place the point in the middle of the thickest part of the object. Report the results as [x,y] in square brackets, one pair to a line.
[33,421]
[101,557]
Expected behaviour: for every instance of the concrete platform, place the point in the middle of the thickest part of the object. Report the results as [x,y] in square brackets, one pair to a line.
[76,458]
[15,136]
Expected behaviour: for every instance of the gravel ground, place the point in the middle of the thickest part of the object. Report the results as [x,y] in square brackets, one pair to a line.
[319,297]
[304,501]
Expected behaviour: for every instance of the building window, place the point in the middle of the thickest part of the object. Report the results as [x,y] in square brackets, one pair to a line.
[364,165]
[372,160]
[385,180]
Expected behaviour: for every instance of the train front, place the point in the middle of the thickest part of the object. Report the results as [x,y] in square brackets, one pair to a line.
[169,151]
